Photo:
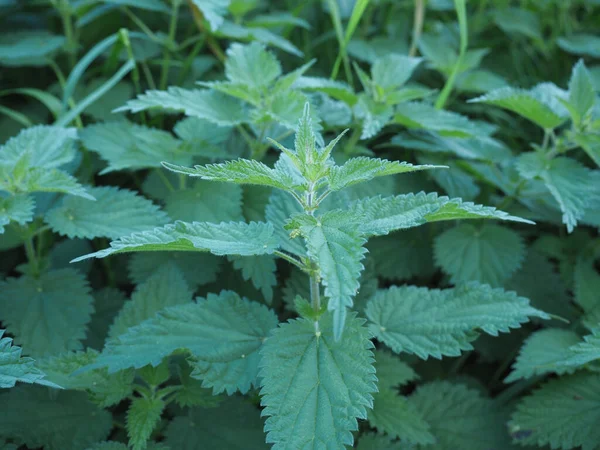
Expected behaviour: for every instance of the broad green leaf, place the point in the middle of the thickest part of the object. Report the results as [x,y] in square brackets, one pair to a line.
[164,288]
[124,145]
[582,353]
[460,418]
[286,107]
[314,387]
[252,65]
[337,247]
[538,104]
[581,44]
[542,353]
[261,270]
[382,215]
[143,416]
[519,21]
[28,48]
[563,413]
[590,143]
[44,180]
[280,208]
[63,420]
[489,254]
[361,169]
[391,371]
[240,171]
[103,388]
[255,238]
[16,208]
[213,10]
[212,428]
[205,138]
[335,89]
[424,115]
[115,213]
[206,201]
[581,92]
[432,322]
[223,333]
[393,70]
[213,106]
[49,314]
[570,183]
[397,416]
[15,368]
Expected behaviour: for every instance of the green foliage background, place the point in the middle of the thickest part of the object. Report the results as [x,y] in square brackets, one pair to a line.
[194,141]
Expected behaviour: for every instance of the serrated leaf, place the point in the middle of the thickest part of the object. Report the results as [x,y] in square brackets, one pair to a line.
[581,92]
[333,88]
[49,314]
[16,208]
[213,106]
[361,169]
[314,387]
[29,414]
[164,288]
[391,371]
[280,208]
[423,115]
[142,417]
[213,10]
[251,65]
[542,353]
[233,238]
[46,180]
[261,270]
[582,353]
[432,322]
[211,428]
[382,215]
[222,332]
[191,392]
[563,413]
[115,213]
[15,368]
[460,418]
[489,254]
[103,388]
[206,202]
[393,70]
[240,171]
[334,243]
[536,105]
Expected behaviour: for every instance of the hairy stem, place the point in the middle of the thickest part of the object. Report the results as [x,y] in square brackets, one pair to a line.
[290,259]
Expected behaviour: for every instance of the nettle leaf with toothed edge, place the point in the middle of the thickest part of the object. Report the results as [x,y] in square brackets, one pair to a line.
[223,333]
[16,208]
[338,248]
[143,416]
[233,238]
[314,387]
[447,321]
[582,353]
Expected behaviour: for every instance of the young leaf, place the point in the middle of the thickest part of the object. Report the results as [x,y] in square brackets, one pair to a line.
[563,413]
[29,415]
[142,417]
[166,287]
[489,254]
[255,238]
[251,66]
[222,332]
[280,208]
[314,386]
[115,213]
[49,314]
[581,92]
[431,322]
[38,179]
[16,208]
[361,169]
[542,353]
[240,171]
[336,246]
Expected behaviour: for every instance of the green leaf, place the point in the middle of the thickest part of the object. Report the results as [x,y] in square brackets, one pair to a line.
[211,428]
[143,416]
[255,238]
[240,171]
[542,353]
[115,213]
[393,70]
[103,388]
[460,418]
[563,413]
[16,208]
[432,322]
[372,441]
[334,243]
[582,353]
[335,89]
[45,180]
[29,48]
[14,368]
[222,332]
[314,387]
[149,5]
[519,21]
[581,44]
[391,371]
[590,143]
[206,201]
[252,65]
[361,169]
[107,304]
[63,420]
[581,92]
[280,208]
[382,215]
[569,182]
[213,11]
[424,115]
[166,287]
[124,145]
[587,280]
[538,104]
[489,254]
[213,106]
[261,270]
[49,314]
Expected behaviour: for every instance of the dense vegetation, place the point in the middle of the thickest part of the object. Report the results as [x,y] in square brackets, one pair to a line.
[252,224]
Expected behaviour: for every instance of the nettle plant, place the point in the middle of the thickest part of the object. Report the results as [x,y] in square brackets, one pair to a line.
[317,373]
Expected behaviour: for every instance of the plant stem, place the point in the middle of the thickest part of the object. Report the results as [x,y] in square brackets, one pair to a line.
[290,259]
[31,256]
[417,26]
